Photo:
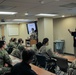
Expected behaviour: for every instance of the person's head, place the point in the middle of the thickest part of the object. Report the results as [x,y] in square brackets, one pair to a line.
[32,29]
[2,44]
[20,40]
[45,41]
[3,38]
[11,39]
[38,45]
[15,39]
[27,56]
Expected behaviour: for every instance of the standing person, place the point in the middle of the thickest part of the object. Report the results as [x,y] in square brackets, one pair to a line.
[4,59]
[23,68]
[74,38]
[33,34]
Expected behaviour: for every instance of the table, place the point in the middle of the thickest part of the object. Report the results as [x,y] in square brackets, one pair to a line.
[70,58]
[38,70]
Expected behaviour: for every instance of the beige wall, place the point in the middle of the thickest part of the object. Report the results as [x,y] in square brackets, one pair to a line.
[22,31]
[61,27]
[40,26]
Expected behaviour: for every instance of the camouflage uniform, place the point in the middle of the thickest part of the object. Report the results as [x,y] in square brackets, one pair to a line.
[16,53]
[73,65]
[46,50]
[72,69]
[4,58]
[12,45]
[34,48]
[21,47]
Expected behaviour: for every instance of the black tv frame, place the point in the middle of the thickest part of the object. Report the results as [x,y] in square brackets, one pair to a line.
[35,26]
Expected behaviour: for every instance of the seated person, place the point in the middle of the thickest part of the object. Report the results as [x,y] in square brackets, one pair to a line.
[36,47]
[20,46]
[17,53]
[72,69]
[45,51]
[5,61]
[11,45]
[23,68]
[73,65]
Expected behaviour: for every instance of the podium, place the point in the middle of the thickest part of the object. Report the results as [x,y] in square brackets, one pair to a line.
[30,42]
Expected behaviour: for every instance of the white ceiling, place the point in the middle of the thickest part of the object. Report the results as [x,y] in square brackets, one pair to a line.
[33,7]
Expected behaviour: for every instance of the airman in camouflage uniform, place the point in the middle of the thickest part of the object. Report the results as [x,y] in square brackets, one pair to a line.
[16,53]
[4,59]
[20,46]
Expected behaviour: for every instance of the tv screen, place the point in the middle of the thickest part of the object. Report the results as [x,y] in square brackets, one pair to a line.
[30,26]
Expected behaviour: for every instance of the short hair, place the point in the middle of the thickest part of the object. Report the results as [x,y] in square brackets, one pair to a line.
[27,55]
[32,28]
[19,40]
[14,39]
[11,39]
[45,40]
[2,43]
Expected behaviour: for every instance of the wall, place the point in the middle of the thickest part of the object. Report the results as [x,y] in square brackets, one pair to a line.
[61,27]
[40,25]
[22,31]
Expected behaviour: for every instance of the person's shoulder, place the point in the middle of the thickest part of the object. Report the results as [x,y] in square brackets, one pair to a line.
[17,65]
[4,51]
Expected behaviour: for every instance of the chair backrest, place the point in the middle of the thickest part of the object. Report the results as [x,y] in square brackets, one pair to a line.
[10,49]
[62,63]
[41,60]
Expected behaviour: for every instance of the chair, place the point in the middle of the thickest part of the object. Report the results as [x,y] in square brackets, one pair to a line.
[10,49]
[41,61]
[62,63]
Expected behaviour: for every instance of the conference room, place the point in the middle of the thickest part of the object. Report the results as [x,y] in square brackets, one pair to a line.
[50,19]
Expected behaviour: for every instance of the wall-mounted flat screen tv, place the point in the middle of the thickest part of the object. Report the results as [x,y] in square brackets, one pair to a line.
[30,26]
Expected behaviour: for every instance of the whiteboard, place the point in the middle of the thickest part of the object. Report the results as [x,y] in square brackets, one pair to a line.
[13,31]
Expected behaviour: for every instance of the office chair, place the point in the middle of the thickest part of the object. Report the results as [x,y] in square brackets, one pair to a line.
[41,61]
[62,63]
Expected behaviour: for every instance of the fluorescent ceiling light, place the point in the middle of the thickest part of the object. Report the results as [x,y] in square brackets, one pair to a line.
[21,20]
[48,15]
[26,13]
[9,23]
[7,13]
[63,15]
